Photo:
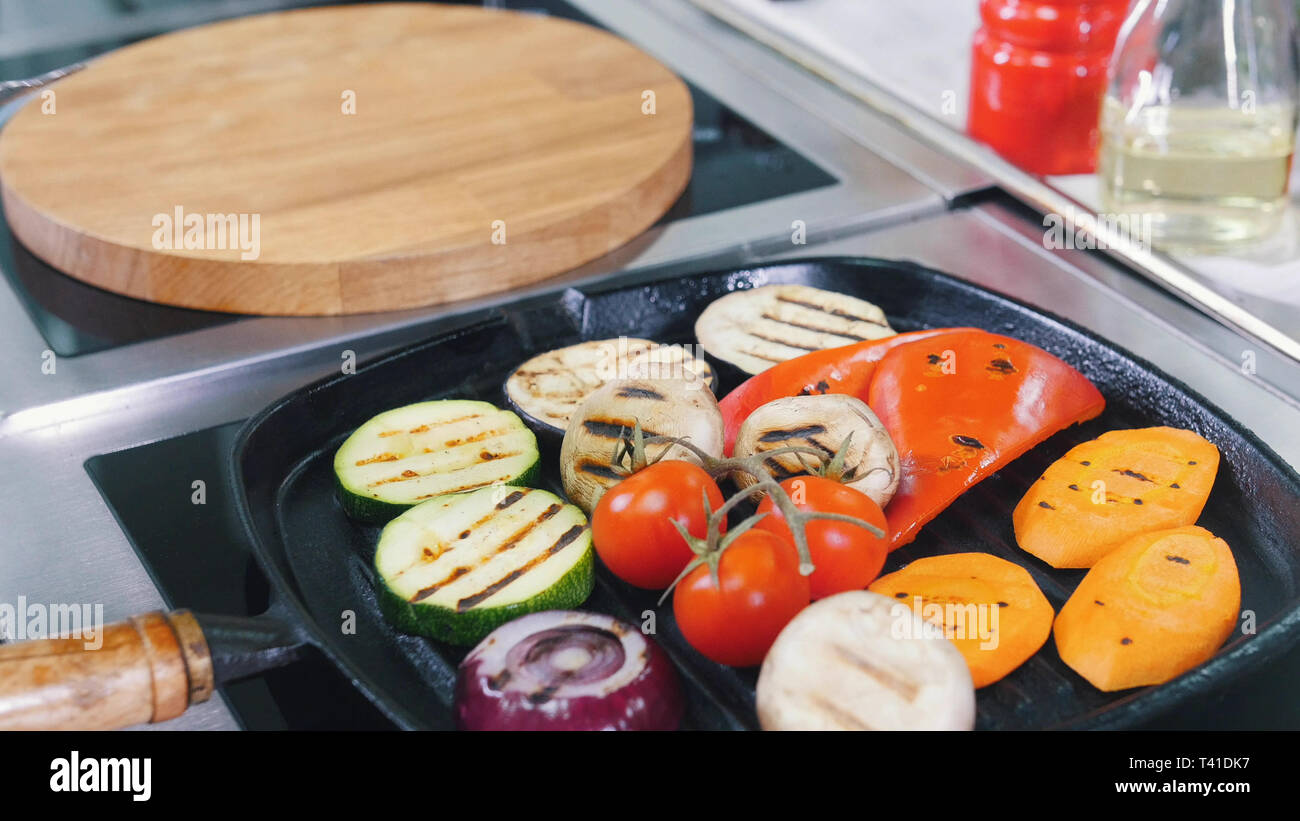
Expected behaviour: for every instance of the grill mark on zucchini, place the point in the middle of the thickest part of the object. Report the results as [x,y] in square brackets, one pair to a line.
[813,328]
[513,497]
[566,539]
[517,537]
[831,311]
[449,445]
[485,559]
[383,457]
[426,592]
[501,505]
[425,428]
[407,475]
[460,489]
[404,476]
[478,437]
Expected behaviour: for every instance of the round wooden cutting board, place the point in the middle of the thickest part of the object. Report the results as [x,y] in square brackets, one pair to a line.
[347,159]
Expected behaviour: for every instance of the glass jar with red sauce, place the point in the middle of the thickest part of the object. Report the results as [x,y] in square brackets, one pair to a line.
[1038,74]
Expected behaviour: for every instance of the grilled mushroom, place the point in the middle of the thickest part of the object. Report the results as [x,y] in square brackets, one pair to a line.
[664,407]
[548,388]
[755,329]
[823,421]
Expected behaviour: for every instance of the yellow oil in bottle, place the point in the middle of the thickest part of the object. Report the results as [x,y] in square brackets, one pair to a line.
[1211,178]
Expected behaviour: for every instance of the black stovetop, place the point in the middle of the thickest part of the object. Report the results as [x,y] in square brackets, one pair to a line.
[198,558]
[735,163]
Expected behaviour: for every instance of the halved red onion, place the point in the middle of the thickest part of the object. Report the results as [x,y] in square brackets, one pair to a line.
[567,670]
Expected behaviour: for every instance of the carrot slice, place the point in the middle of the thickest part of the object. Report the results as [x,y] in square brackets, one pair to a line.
[1104,492]
[1152,609]
[989,607]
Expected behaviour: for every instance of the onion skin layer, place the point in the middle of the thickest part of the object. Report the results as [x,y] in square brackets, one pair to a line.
[650,700]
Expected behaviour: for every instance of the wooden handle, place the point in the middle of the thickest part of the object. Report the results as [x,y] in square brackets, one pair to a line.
[148,668]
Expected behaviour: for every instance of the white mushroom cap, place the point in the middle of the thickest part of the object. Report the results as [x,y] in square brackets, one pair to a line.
[823,421]
[665,407]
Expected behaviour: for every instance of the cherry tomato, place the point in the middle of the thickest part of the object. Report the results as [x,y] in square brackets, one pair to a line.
[759,590]
[632,525]
[846,557]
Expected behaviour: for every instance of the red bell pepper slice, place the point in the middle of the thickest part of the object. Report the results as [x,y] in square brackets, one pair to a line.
[961,405]
[846,369]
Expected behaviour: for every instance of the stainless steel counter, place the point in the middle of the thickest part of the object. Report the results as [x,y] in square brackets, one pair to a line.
[897,198]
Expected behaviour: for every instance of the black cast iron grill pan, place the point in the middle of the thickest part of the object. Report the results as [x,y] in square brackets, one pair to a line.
[319,561]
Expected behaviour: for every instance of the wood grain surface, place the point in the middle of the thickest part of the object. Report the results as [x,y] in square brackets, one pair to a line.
[149,668]
[487,150]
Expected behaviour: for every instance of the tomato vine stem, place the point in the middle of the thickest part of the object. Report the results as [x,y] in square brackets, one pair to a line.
[709,549]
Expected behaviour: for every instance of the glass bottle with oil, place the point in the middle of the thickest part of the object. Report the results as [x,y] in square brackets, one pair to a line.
[1199,120]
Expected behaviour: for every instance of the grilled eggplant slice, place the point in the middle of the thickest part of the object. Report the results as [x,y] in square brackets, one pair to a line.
[755,329]
[664,407]
[457,567]
[406,456]
[547,389]
[823,421]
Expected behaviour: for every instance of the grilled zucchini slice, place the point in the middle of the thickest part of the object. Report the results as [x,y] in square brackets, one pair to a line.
[757,328]
[457,567]
[548,388]
[409,455]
